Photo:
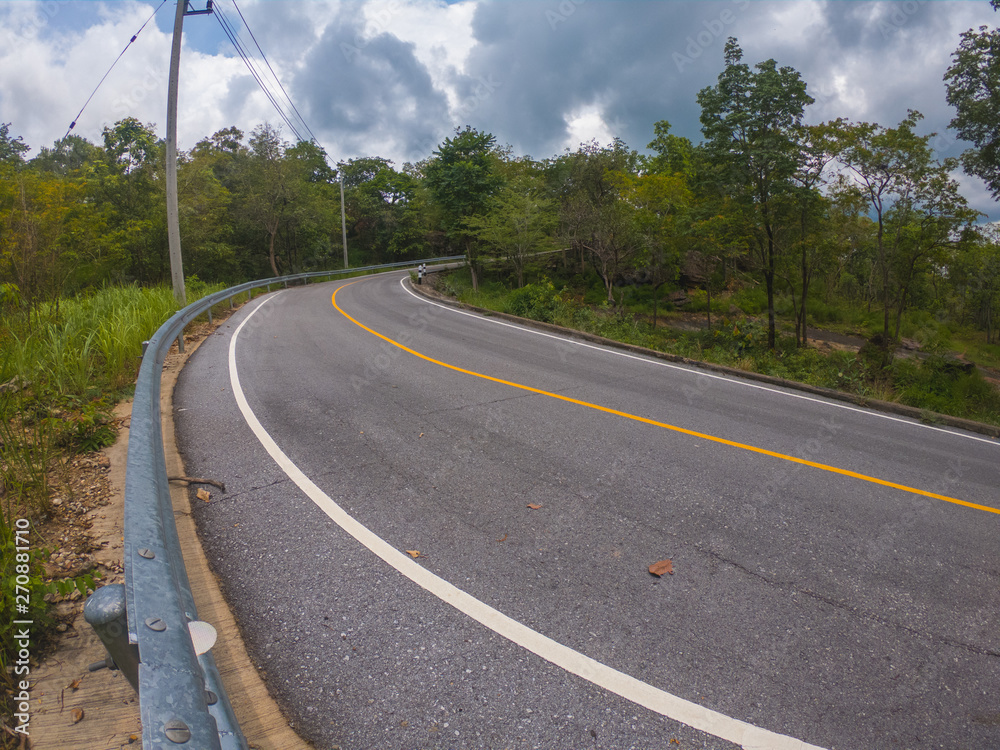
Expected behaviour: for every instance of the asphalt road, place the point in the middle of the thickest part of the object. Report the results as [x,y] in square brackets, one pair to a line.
[847,599]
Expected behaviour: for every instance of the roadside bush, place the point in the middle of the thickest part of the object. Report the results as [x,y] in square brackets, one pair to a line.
[538,301]
[751,300]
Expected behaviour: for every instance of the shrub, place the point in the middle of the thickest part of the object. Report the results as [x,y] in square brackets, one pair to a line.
[536,301]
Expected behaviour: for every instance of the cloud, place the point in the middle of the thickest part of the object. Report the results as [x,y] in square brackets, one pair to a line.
[369,94]
[395,77]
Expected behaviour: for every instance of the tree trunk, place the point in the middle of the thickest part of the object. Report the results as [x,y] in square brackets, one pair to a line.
[270,254]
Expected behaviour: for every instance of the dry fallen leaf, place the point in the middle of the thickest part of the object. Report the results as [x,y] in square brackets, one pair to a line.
[77,715]
[413,553]
[75,684]
[662,567]
[204,495]
[533,506]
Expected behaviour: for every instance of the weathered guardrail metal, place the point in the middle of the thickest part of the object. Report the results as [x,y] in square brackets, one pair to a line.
[145,623]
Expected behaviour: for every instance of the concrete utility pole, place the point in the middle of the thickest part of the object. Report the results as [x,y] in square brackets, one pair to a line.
[173,219]
[343,217]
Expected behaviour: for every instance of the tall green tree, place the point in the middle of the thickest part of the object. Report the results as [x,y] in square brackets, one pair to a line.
[594,220]
[384,209]
[462,177]
[752,122]
[520,220]
[268,190]
[915,203]
[132,188]
[973,89]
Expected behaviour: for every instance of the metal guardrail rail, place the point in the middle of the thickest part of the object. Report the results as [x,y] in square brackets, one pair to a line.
[144,623]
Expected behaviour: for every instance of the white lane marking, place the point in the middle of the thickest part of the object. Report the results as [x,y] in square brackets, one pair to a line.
[696,372]
[748,736]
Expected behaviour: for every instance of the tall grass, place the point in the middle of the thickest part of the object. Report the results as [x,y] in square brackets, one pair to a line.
[61,368]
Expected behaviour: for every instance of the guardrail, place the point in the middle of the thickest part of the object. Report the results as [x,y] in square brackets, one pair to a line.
[145,624]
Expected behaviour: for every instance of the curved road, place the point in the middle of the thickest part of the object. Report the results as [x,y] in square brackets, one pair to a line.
[438,526]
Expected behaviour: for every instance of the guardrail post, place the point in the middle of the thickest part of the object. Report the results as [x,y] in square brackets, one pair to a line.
[180,343]
[105,612]
[210,316]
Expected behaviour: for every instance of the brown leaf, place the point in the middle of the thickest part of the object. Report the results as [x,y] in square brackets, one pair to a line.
[75,684]
[77,715]
[662,567]
[533,506]
[205,495]
[413,553]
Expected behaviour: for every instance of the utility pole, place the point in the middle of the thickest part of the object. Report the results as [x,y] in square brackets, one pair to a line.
[343,217]
[173,220]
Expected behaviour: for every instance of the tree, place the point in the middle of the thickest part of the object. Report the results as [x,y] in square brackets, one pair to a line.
[662,204]
[519,222]
[132,191]
[383,208]
[976,277]
[973,89]
[810,207]
[268,190]
[67,155]
[917,206]
[594,219]
[461,178]
[12,150]
[752,120]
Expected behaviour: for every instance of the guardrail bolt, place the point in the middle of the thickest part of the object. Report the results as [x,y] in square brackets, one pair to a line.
[177,731]
[156,624]
[211,698]
[147,553]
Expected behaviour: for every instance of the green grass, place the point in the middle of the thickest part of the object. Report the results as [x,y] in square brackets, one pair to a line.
[64,366]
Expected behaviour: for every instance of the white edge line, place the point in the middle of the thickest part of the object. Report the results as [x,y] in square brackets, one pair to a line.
[695,371]
[748,736]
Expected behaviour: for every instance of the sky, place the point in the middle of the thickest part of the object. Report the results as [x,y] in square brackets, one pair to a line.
[394,78]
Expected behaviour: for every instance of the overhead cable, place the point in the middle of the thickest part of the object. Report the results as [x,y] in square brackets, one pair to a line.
[73,124]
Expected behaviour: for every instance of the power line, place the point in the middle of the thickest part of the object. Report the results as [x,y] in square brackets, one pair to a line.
[73,124]
[272,71]
[242,48]
[237,44]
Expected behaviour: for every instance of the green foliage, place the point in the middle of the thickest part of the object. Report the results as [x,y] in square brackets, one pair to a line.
[23,581]
[971,89]
[27,446]
[87,427]
[752,300]
[538,301]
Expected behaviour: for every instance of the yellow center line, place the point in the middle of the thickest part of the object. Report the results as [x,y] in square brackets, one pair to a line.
[664,425]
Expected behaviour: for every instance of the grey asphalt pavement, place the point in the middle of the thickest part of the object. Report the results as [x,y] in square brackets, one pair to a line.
[815,604]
